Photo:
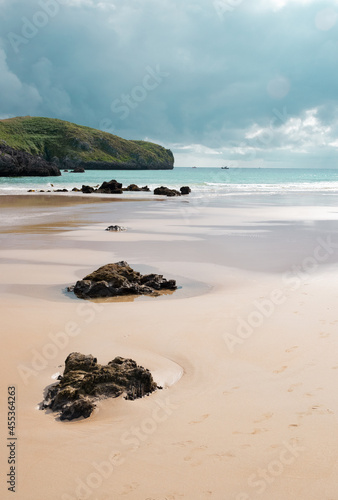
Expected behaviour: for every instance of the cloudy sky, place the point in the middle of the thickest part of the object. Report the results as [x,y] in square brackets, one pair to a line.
[224,82]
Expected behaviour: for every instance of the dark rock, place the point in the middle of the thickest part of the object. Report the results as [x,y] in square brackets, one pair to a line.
[83,407]
[166,191]
[115,228]
[60,190]
[157,282]
[185,190]
[78,361]
[82,288]
[120,279]
[76,190]
[78,170]
[84,381]
[134,187]
[100,289]
[66,170]
[87,189]
[111,187]
[15,163]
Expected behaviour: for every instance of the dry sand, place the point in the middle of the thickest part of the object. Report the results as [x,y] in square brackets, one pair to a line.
[247,351]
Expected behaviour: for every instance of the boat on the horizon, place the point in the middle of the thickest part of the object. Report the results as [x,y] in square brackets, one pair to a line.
[225,168]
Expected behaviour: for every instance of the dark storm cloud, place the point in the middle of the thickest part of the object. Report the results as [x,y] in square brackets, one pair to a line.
[210,77]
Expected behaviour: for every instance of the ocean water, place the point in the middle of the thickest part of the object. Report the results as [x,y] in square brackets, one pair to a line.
[212,182]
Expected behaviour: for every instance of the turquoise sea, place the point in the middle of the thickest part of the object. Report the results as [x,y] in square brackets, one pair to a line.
[213,182]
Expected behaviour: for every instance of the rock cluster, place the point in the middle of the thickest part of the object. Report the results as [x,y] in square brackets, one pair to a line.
[84,382]
[165,191]
[117,279]
[114,187]
[111,187]
[15,163]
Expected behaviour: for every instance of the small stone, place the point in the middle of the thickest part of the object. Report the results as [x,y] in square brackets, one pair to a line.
[115,228]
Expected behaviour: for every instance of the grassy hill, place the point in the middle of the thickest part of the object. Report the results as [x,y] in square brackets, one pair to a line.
[69,145]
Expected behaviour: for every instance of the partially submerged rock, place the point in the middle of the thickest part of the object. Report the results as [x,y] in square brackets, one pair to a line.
[117,279]
[185,190]
[84,382]
[134,187]
[165,191]
[87,189]
[78,170]
[115,228]
[111,187]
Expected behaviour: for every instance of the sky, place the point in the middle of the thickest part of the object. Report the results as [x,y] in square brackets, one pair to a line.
[227,82]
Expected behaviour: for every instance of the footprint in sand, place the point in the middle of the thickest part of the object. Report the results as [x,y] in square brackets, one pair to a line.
[322,410]
[293,425]
[229,392]
[193,459]
[255,431]
[266,416]
[335,368]
[199,421]
[293,387]
[281,370]
[182,444]
[324,335]
[128,488]
[174,496]
[222,456]
[291,349]
[259,431]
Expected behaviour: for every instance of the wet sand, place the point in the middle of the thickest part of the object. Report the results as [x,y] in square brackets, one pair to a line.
[246,351]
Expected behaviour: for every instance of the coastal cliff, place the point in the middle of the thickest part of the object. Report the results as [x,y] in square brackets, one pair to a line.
[65,145]
[19,163]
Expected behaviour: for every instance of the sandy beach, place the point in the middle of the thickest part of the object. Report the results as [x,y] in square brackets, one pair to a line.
[245,349]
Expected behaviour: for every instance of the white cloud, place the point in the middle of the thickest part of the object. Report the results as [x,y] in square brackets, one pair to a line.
[280,4]
[298,134]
